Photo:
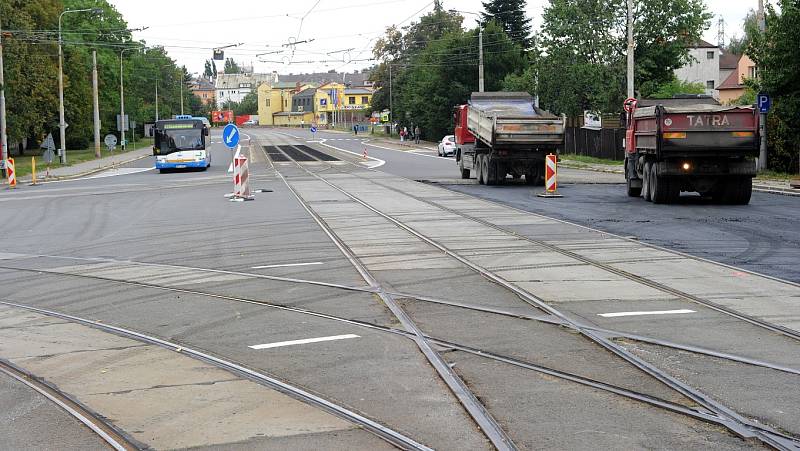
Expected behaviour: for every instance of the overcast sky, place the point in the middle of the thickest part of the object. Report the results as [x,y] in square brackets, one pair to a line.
[343,31]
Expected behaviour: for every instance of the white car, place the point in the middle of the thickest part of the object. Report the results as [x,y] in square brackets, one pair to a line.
[447,146]
[250,122]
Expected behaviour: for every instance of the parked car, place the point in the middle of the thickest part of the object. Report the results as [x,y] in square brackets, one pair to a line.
[250,122]
[448,146]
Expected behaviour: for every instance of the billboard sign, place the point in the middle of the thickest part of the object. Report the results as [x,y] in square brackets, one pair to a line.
[224,116]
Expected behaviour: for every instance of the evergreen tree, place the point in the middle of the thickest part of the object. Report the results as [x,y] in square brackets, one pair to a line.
[231,67]
[510,15]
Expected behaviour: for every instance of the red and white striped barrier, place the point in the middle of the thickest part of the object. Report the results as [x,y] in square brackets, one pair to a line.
[550,173]
[11,173]
[241,179]
[550,177]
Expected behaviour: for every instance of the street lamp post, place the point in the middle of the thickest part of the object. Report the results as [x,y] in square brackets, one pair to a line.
[62,126]
[480,47]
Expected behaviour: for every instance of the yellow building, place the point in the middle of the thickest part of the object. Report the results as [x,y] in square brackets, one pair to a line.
[275,99]
[328,100]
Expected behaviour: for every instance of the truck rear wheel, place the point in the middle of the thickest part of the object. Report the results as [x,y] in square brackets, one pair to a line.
[492,172]
[633,191]
[464,171]
[734,191]
[481,167]
[646,181]
[663,190]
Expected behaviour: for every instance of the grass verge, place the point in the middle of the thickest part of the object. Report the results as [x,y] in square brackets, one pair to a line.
[590,160]
[23,163]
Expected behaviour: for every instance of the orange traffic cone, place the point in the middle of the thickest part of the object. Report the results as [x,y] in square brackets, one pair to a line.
[365,153]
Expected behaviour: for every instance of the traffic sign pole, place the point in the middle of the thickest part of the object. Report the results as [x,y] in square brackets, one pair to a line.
[764,103]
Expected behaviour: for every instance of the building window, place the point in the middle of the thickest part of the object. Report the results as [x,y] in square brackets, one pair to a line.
[753,71]
[364,100]
[710,84]
[351,100]
[710,55]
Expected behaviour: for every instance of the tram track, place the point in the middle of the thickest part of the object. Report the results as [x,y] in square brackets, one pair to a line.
[730,419]
[699,414]
[115,438]
[395,438]
[781,441]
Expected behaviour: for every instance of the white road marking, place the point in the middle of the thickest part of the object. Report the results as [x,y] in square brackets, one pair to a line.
[654,312]
[303,341]
[286,265]
[412,152]
[378,161]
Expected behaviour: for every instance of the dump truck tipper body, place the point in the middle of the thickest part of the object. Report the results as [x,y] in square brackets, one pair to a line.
[710,149]
[502,133]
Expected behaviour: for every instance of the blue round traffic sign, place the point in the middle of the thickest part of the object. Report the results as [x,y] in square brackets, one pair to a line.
[230,136]
[313,129]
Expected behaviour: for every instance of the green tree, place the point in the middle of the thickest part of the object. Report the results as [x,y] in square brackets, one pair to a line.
[210,70]
[777,57]
[737,45]
[675,87]
[510,15]
[231,67]
[583,47]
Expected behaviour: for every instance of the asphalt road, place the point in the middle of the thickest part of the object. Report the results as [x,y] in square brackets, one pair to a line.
[761,237]
[168,255]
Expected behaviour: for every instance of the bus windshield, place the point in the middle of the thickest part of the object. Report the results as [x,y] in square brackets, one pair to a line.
[175,136]
[184,139]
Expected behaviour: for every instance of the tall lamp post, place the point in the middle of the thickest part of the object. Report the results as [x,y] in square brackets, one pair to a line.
[480,46]
[62,126]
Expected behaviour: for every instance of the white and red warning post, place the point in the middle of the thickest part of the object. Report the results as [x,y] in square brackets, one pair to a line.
[550,177]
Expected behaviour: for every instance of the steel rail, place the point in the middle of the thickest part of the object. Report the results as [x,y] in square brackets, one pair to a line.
[476,351]
[609,333]
[476,410]
[622,273]
[106,431]
[211,270]
[384,432]
[733,421]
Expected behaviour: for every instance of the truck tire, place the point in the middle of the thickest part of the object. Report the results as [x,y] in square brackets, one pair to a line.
[464,171]
[632,191]
[646,181]
[663,190]
[492,172]
[481,167]
[737,191]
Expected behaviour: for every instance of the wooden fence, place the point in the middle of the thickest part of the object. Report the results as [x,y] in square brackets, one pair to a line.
[604,143]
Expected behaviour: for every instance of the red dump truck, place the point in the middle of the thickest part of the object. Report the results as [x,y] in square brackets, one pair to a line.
[503,133]
[711,149]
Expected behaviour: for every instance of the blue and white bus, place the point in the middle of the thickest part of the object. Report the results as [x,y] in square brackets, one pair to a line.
[181,144]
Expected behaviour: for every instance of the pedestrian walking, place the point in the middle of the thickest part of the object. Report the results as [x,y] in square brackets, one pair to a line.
[416,134]
[355,129]
[403,134]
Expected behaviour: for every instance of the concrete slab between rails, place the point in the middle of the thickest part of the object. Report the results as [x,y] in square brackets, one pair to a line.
[161,398]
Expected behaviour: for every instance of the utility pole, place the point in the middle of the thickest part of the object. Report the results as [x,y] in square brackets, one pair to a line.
[122,123]
[762,123]
[62,125]
[96,102]
[182,80]
[480,58]
[391,111]
[631,91]
[3,137]
[156,99]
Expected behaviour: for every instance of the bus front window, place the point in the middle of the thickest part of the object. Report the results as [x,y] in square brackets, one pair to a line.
[186,139]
